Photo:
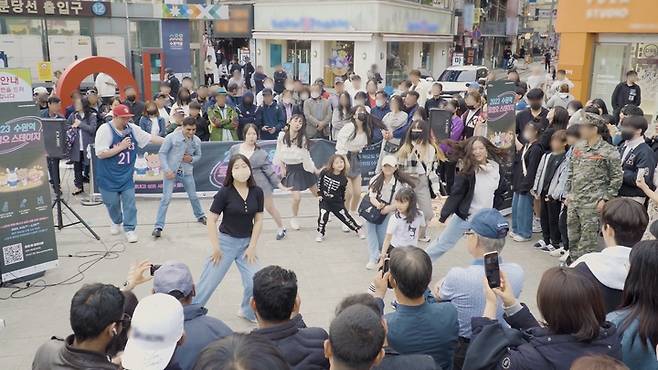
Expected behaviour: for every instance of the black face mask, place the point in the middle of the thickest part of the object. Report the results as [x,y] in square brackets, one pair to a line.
[362,116]
[152,112]
[535,106]
[131,97]
[470,106]
[415,135]
[627,135]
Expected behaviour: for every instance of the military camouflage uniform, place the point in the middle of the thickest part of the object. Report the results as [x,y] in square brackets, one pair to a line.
[594,174]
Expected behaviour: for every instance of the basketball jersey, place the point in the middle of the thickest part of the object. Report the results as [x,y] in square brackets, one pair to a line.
[116,173]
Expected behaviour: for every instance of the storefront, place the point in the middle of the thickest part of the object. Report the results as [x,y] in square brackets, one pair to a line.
[601,40]
[313,40]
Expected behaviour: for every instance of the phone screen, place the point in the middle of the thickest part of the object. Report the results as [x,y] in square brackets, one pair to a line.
[492,269]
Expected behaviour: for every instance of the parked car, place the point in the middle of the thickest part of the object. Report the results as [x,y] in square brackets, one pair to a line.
[455,78]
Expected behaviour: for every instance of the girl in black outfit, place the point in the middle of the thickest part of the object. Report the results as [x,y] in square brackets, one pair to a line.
[332,184]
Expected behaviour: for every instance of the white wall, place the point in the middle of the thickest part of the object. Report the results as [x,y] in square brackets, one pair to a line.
[318,59]
[440,55]
[375,53]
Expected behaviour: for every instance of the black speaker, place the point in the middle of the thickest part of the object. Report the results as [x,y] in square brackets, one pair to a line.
[441,123]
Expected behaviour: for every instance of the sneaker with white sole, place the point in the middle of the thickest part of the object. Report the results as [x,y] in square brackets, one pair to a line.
[548,248]
[294,224]
[520,239]
[540,244]
[319,238]
[115,229]
[371,265]
[131,236]
[425,239]
[564,257]
[559,252]
[281,234]
[536,225]
[511,234]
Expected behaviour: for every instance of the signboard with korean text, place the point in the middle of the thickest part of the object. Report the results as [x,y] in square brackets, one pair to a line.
[15,85]
[27,234]
[60,8]
[176,45]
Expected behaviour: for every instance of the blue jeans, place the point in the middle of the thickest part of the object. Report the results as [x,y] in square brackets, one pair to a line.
[454,230]
[167,191]
[376,235]
[121,207]
[522,215]
[233,250]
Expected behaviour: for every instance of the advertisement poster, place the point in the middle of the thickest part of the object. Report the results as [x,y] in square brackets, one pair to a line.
[176,45]
[44,71]
[27,235]
[210,170]
[15,85]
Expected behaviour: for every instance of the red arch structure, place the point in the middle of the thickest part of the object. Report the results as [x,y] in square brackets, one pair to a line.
[78,70]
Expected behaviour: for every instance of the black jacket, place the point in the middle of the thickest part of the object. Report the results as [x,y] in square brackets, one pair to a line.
[525,116]
[136,107]
[202,129]
[58,354]
[530,346]
[174,83]
[302,347]
[461,195]
[624,94]
[641,156]
[521,183]
[395,361]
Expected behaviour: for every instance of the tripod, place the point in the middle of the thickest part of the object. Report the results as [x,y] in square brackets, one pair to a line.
[57,204]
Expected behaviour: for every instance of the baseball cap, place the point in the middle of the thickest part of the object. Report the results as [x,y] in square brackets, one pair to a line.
[92,91]
[267,91]
[221,91]
[338,80]
[39,90]
[489,223]
[173,275]
[121,111]
[155,329]
[389,160]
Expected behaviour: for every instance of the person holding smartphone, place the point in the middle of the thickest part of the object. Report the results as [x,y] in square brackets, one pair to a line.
[462,286]
[638,160]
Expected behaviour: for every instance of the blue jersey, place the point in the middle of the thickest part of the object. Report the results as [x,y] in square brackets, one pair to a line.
[116,173]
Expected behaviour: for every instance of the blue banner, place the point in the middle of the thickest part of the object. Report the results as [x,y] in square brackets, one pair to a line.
[176,45]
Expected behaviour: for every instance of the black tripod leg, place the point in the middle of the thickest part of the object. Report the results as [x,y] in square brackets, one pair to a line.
[79,219]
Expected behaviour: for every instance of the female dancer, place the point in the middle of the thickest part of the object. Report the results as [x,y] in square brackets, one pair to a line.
[479,184]
[83,122]
[241,202]
[418,158]
[297,167]
[261,168]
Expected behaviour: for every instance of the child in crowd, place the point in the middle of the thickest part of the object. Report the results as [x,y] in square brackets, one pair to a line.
[548,175]
[559,193]
[332,184]
[404,226]
[524,170]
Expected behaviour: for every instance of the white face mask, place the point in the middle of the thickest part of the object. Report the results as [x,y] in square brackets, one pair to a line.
[380,103]
[315,95]
[241,174]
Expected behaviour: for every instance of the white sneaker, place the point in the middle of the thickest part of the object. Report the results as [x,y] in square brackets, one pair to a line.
[371,265]
[557,252]
[362,234]
[548,248]
[539,245]
[425,239]
[536,225]
[115,229]
[520,239]
[346,229]
[511,234]
[564,256]
[319,238]
[294,224]
[131,236]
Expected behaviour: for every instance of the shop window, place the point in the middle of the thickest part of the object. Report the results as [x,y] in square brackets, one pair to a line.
[20,26]
[644,60]
[608,69]
[145,34]
[339,60]
[398,62]
[426,58]
[298,60]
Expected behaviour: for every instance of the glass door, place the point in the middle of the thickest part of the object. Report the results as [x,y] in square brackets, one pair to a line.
[609,62]
[153,73]
[298,60]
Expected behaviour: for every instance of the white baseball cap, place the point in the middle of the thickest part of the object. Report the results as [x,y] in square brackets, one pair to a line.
[39,90]
[389,160]
[155,329]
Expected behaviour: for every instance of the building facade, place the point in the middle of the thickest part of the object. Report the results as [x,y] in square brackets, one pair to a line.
[601,40]
[332,38]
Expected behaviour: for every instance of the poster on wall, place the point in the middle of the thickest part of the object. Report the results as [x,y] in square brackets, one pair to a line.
[15,85]
[27,235]
[176,46]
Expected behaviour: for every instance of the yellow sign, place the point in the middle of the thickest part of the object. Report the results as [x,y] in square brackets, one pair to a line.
[44,71]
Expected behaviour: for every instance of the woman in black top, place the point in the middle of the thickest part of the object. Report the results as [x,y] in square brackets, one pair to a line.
[82,125]
[241,202]
[524,170]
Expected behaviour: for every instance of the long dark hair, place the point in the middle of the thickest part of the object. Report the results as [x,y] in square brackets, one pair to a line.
[179,100]
[601,104]
[228,179]
[640,296]
[400,177]
[253,127]
[408,195]
[301,140]
[366,126]
[426,139]
[348,107]
[463,151]
[560,118]
[586,313]
[86,106]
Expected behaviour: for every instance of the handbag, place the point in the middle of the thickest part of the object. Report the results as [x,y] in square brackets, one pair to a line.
[390,147]
[370,213]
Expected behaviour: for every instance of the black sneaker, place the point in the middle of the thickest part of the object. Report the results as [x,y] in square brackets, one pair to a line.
[157,232]
[203,220]
[540,244]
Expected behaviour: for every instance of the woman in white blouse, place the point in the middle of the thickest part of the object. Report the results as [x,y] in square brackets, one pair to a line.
[392,120]
[182,101]
[351,139]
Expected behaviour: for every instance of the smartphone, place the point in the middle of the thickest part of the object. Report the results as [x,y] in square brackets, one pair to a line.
[385,268]
[492,269]
[154,268]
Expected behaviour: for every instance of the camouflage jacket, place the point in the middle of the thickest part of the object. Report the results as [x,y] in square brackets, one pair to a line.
[594,173]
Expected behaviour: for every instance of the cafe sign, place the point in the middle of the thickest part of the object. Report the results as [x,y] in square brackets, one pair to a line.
[61,8]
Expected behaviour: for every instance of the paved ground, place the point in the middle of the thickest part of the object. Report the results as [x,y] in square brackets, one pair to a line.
[327,272]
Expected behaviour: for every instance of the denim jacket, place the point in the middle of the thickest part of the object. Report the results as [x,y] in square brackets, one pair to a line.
[174,147]
[145,124]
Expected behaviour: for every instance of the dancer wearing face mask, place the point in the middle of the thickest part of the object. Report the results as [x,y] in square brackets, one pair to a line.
[241,202]
[295,163]
[419,157]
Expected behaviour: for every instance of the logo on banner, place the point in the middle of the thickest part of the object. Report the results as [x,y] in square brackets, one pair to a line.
[176,41]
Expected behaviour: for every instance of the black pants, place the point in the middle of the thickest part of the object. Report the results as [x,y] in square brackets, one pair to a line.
[447,174]
[563,228]
[223,82]
[460,353]
[339,210]
[53,173]
[209,78]
[80,171]
[550,217]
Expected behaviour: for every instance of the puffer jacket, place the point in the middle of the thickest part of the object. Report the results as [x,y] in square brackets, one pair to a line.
[58,354]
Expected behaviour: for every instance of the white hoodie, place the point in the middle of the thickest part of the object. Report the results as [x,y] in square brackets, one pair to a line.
[610,266]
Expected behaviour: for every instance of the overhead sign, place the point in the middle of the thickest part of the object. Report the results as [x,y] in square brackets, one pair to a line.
[15,85]
[61,8]
[195,11]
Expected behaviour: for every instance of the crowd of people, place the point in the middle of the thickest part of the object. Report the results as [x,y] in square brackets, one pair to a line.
[583,178]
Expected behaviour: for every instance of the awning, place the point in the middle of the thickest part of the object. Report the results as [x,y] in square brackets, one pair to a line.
[325,36]
[405,37]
